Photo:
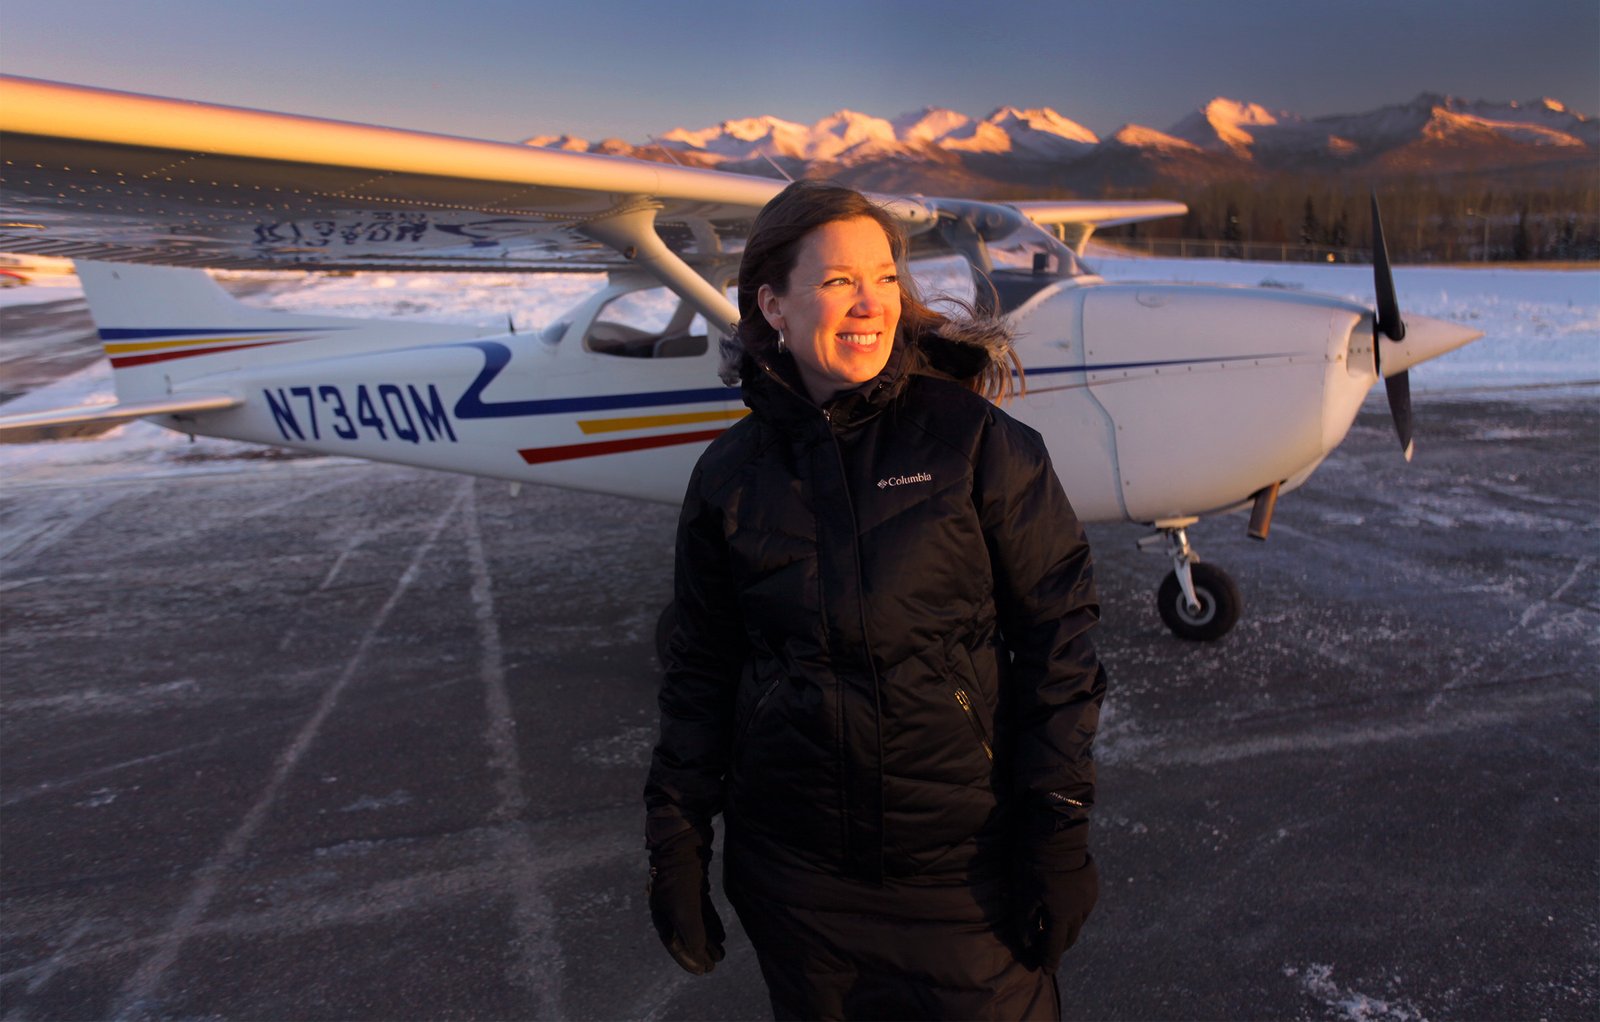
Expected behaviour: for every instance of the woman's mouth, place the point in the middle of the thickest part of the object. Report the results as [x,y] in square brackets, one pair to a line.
[859,340]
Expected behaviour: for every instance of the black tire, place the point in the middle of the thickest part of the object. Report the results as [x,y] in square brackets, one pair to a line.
[1219,598]
[664,626]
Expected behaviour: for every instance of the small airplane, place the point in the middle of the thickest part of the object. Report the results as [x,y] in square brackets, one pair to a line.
[1160,403]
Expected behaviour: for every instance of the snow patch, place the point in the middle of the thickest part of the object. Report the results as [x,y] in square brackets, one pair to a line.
[97,798]
[42,289]
[1317,980]
[369,803]
[630,747]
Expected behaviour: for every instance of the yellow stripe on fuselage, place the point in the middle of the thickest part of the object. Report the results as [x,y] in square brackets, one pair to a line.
[132,347]
[647,421]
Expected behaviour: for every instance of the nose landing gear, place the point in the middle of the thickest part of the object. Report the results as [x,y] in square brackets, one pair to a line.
[1197,601]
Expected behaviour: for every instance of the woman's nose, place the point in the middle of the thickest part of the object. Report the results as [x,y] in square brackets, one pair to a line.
[867,303]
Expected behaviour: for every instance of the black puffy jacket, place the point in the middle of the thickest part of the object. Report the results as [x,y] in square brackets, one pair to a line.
[881,668]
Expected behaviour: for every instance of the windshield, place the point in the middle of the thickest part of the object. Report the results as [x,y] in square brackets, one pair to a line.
[1011,257]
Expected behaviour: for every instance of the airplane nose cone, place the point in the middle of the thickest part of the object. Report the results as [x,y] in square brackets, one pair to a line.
[1425,338]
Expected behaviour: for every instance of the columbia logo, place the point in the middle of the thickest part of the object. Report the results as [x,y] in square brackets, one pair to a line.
[920,477]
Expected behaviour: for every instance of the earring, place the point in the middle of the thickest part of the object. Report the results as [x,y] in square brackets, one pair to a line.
[781,344]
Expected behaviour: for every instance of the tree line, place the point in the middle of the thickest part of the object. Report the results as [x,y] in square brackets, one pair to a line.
[1445,218]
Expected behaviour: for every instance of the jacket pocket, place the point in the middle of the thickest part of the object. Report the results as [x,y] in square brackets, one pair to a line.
[968,693]
[755,711]
[964,700]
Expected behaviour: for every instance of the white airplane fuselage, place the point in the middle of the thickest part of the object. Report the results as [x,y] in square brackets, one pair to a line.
[1157,401]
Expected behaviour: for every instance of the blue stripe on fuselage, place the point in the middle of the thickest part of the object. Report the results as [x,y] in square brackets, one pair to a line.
[124,334]
[1104,367]
[497,356]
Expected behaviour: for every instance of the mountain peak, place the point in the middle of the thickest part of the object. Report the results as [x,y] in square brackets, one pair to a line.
[1137,136]
[570,143]
[1041,119]
[930,124]
[1230,124]
[1239,111]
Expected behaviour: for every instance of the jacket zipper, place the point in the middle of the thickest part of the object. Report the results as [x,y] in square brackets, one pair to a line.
[972,718]
[875,874]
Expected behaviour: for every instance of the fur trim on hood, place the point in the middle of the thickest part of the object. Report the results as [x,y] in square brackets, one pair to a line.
[731,352]
[961,350]
[965,348]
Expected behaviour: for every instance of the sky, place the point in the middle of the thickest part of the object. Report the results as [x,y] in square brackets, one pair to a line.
[508,70]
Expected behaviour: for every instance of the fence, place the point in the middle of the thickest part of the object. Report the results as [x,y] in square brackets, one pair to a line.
[1253,251]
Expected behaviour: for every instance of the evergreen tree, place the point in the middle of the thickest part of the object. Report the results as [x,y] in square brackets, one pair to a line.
[1310,228]
[1339,233]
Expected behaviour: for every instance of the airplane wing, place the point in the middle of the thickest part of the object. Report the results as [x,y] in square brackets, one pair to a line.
[1075,221]
[113,176]
[119,177]
[1100,214]
[92,420]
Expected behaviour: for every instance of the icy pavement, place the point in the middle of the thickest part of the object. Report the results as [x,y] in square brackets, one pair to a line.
[368,742]
[299,737]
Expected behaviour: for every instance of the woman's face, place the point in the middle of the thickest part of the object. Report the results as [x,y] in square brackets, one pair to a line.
[842,306]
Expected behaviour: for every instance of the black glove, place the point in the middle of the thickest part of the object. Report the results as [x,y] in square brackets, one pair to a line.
[680,902]
[1053,891]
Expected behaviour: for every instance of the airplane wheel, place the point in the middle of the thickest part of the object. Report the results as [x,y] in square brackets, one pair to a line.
[1219,598]
[664,626]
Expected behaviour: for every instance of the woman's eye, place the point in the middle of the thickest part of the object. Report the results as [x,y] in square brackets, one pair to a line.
[893,278]
[831,281]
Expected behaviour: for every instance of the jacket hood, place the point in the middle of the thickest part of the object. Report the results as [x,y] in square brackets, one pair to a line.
[963,349]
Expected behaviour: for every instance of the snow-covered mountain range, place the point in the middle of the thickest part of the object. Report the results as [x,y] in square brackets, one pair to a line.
[1224,138]
[848,136]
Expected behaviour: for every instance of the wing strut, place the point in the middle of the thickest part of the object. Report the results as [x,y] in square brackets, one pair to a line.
[632,232]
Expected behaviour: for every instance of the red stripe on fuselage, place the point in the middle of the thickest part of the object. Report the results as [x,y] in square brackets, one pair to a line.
[163,356]
[540,455]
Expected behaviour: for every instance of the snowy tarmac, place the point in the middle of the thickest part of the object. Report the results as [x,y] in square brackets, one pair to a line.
[312,738]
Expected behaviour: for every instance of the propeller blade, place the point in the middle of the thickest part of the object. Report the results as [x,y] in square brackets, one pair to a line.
[1389,322]
[1399,389]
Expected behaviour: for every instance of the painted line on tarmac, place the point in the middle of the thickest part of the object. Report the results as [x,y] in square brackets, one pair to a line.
[573,843]
[1535,608]
[532,912]
[144,982]
[1325,736]
[22,545]
[327,580]
[47,970]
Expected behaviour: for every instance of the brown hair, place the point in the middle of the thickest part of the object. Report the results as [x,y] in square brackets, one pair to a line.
[774,247]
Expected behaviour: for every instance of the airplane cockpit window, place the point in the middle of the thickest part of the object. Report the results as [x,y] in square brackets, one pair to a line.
[649,323]
[1011,257]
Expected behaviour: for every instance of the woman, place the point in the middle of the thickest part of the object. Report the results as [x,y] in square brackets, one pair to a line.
[881,674]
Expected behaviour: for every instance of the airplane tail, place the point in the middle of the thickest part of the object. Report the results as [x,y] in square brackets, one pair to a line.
[175,338]
[161,326]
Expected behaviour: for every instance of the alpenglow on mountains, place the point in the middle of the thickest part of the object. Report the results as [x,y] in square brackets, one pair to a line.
[944,150]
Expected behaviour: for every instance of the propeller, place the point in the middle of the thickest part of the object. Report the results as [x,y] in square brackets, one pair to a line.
[1390,325]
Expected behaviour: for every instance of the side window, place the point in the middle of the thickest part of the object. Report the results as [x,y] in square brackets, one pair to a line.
[652,323]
